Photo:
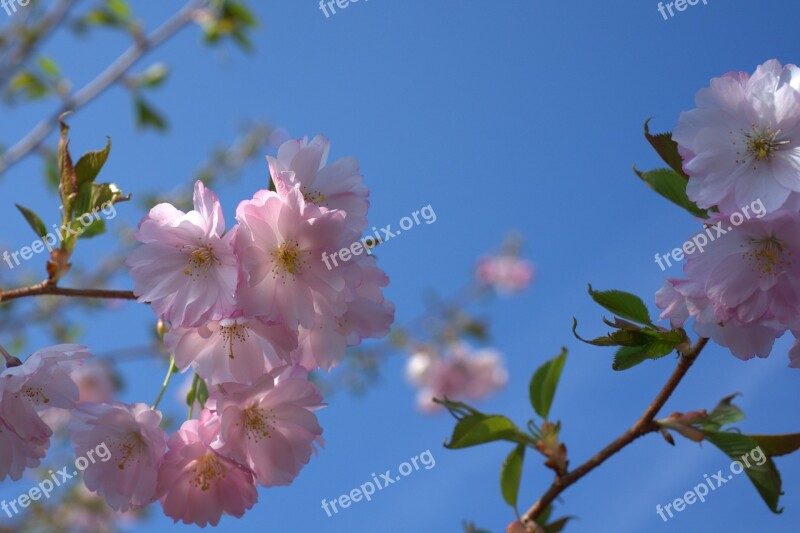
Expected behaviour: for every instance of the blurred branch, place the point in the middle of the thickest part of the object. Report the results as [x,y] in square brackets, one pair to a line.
[112,74]
[48,287]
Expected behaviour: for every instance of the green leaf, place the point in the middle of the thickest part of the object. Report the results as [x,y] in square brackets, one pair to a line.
[724,413]
[477,429]
[765,477]
[33,220]
[630,356]
[68,181]
[623,304]
[97,227]
[666,148]
[558,525]
[777,445]
[148,117]
[623,337]
[202,392]
[511,475]
[154,76]
[671,186]
[29,84]
[544,383]
[91,163]
[48,66]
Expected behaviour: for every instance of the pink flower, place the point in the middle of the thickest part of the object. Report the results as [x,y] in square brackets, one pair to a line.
[95,384]
[742,142]
[744,289]
[236,350]
[336,186]
[280,243]
[196,484]
[270,426]
[460,373]
[507,274]
[368,315]
[42,381]
[134,443]
[17,454]
[186,268]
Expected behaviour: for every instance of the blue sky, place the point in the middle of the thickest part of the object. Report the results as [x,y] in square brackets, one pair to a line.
[500,115]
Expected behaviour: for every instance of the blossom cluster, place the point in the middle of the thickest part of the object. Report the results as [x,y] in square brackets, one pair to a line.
[740,145]
[251,310]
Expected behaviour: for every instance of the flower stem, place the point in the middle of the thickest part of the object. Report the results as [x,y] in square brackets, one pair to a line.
[11,361]
[168,377]
[193,395]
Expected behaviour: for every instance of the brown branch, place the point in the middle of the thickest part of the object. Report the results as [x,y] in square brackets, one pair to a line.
[112,74]
[49,288]
[646,424]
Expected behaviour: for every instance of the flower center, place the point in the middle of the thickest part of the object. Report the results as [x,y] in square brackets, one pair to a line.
[34,394]
[769,257]
[257,422]
[313,197]
[207,470]
[233,333]
[288,258]
[130,447]
[760,143]
[201,259]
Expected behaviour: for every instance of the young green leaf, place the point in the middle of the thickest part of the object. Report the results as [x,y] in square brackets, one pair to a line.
[33,220]
[724,413]
[777,445]
[671,186]
[511,474]
[90,164]
[630,356]
[623,304]
[765,476]
[666,148]
[544,383]
[476,429]
[148,117]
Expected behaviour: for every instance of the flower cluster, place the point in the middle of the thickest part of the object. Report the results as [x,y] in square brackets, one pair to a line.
[251,310]
[459,372]
[742,145]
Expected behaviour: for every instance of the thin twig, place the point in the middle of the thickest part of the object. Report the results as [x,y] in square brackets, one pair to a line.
[646,424]
[48,288]
[112,74]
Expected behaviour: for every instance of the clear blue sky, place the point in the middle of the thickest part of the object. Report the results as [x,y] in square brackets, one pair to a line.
[513,114]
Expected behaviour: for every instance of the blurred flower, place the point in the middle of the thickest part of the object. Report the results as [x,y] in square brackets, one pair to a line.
[458,374]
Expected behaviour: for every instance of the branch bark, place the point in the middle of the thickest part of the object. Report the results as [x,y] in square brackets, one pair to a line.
[646,424]
[112,74]
[49,288]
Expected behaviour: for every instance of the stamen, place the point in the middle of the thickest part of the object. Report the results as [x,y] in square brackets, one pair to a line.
[201,259]
[233,333]
[769,257]
[288,259]
[207,470]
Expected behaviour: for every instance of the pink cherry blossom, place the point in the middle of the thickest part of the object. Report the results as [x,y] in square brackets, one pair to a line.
[95,384]
[303,164]
[459,373]
[136,442]
[368,315]
[507,274]
[280,243]
[42,381]
[270,426]
[742,142]
[231,350]
[186,268]
[196,483]
[17,454]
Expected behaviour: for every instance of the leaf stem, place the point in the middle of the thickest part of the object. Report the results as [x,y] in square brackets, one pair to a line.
[167,379]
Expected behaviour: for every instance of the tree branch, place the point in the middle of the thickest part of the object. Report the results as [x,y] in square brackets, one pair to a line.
[49,288]
[646,424]
[112,74]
